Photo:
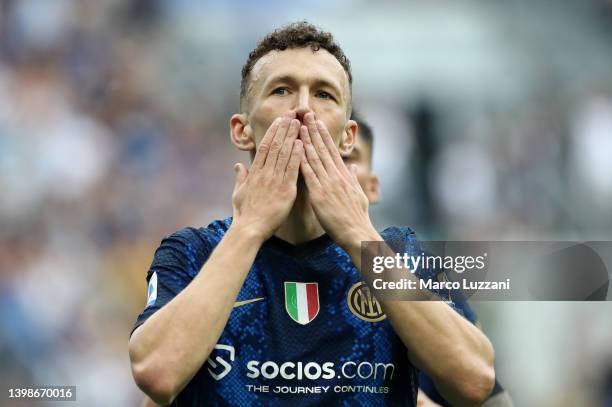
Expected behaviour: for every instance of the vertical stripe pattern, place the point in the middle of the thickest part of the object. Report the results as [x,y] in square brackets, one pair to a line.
[313,300]
[302,301]
[291,300]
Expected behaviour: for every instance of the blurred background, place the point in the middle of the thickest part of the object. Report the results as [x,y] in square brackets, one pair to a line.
[492,120]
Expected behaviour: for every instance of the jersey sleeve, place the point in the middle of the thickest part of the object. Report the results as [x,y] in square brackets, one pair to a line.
[404,240]
[176,262]
[463,307]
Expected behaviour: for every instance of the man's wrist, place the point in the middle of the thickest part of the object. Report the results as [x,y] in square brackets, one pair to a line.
[247,231]
[364,234]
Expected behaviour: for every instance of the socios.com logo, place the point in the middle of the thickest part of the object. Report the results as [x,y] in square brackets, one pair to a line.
[314,370]
[219,367]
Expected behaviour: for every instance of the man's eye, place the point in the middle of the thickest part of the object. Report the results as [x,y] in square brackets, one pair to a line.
[280,91]
[324,95]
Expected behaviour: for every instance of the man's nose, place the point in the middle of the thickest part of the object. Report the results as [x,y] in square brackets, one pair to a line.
[303,104]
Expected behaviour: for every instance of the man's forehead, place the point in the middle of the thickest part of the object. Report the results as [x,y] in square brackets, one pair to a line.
[282,63]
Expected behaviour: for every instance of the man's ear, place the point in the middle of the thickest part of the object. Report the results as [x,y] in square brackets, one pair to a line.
[373,191]
[347,142]
[241,132]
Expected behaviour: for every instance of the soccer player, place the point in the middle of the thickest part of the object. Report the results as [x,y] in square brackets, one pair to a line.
[268,307]
[361,158]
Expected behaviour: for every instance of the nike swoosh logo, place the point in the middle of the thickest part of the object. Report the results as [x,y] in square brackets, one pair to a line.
[245,302]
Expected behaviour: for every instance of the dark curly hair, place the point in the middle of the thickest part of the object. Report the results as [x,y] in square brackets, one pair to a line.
[295,35]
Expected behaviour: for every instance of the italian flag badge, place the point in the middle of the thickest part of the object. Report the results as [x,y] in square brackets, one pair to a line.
[302,301]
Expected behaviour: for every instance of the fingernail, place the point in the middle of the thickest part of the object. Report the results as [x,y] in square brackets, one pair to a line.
[236,166]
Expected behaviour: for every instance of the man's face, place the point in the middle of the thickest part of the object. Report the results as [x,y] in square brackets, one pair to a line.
[361,156]
[303,81]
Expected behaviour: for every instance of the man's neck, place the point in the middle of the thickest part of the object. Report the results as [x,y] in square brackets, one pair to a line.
[302,224]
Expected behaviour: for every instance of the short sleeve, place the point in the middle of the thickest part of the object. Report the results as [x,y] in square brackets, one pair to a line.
[404,240]
[176,262]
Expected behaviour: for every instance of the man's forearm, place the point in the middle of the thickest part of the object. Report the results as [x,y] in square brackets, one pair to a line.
[171,346]
[457,355]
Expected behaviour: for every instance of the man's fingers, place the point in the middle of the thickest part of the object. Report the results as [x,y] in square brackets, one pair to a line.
[241,175]
[317,141]
[304,135]
[353,170]
[293,166]
[264,145]
[285,153]
[311,154]
[312,182]
[329,143]
[279,138]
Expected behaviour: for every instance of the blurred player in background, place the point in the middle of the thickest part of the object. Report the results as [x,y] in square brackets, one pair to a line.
[361,158]
[256,309]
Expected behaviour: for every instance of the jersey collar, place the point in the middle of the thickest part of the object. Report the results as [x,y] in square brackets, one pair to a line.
[301,249]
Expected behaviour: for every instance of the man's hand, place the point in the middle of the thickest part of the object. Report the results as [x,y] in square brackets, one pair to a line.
[338,200]
[440,341]
[264,195]
[173,344]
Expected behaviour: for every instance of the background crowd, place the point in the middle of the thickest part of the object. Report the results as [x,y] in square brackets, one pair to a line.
[492,120]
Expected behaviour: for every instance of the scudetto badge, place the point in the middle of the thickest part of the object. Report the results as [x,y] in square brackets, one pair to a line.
[363,304]
[302,301]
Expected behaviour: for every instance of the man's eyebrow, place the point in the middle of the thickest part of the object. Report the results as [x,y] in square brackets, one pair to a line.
[281,78]
[329,84]
[292,80]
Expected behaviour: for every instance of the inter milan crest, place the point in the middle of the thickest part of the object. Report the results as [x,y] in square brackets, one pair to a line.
[302,301]
[363,304]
